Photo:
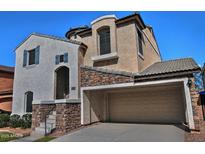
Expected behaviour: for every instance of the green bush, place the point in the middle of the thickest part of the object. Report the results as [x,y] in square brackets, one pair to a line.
[15,121]
[4,120]
[26,121]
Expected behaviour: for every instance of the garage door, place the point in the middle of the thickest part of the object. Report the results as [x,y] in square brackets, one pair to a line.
[154,105]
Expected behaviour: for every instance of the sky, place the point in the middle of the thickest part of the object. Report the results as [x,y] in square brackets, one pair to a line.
[179,34]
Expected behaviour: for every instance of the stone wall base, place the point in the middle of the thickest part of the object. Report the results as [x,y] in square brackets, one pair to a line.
[67,116]
[194,136]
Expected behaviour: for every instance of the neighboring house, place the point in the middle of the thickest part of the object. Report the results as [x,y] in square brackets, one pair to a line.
[203,75]
[111,71]
[6,88]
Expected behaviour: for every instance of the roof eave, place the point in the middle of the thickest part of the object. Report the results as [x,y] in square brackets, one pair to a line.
[166,75]
[134,16]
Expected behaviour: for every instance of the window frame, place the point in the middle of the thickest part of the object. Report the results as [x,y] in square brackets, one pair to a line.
[33,51]
[31,57]
[25,101]
[103,33]
[61,58]
[140,42]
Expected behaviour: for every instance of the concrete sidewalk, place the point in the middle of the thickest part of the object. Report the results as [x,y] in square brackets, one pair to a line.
[33,137]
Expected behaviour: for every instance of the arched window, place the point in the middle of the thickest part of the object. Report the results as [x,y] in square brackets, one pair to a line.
[28,101]
[104,40]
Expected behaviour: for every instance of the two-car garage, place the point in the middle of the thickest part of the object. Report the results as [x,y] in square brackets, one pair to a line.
[164,102]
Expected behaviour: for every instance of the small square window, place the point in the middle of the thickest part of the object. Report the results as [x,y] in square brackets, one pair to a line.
[31,57]
[61,58]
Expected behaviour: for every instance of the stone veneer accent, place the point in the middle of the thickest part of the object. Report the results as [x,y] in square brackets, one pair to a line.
[38,113]
[67,115]
[199,133]
[98,76]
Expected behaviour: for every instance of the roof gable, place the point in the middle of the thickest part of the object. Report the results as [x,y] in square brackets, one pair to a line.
[49,37]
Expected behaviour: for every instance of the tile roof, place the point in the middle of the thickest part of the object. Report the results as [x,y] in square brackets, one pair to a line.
[7,69]
[171,66]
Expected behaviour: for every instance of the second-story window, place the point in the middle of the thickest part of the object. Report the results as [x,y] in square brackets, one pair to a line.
[104,41]
[61,58]
[140,41]
[31,57]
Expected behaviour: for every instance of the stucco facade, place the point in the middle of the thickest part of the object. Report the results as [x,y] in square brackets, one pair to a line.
[40,78]
[124,54]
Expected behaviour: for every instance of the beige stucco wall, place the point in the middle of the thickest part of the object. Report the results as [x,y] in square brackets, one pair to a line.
[127,48]
[124,43]
[151,53]
[94,107]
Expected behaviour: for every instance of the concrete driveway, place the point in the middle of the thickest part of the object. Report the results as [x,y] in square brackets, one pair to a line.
[118,132]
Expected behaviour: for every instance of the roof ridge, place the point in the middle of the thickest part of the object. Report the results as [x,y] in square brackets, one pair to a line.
[50,37]
[174,60]
[54,36]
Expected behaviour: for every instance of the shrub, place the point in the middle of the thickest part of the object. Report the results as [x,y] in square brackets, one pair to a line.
[4,120]
[15,121]
[26,121]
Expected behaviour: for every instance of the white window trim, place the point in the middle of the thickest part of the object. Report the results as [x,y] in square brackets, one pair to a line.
[30,66]
[188,109]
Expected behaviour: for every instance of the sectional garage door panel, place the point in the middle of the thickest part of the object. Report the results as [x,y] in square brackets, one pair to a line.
[157,106]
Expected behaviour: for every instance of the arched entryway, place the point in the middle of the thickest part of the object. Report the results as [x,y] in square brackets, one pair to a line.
[28,101]
[62,83]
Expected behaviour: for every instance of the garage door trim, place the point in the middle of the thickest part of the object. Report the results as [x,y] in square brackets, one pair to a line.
[189,112]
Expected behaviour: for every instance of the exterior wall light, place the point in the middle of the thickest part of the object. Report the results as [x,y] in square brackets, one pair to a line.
[189,83]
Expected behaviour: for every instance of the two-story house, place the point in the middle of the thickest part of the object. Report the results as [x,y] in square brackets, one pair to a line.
[111,71]
[6,88]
